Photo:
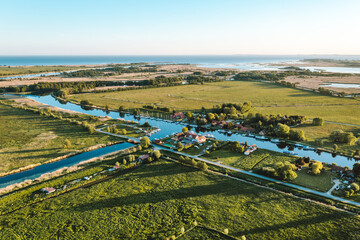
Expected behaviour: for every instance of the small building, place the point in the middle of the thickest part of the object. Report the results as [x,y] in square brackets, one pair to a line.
[179,115]
[116,167]
[143,157]
[48,190]
[262,133]
[157,141]
[200,139]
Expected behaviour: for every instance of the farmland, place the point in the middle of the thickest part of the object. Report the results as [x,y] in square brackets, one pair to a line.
[155,201]
[29,138]
[266,98]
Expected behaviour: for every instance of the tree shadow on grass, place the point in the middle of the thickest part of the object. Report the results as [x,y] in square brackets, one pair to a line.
[304,221]
[30,151]
[153,197]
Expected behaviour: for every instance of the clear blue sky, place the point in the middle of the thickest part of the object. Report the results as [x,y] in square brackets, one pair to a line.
[145,27]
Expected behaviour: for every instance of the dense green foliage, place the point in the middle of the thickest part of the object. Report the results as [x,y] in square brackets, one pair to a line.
[318,122]
[108,71]
[155,201]
[343,137]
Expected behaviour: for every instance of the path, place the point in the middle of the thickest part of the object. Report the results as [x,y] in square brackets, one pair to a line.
[337,183]
[117,135]
[345,124]
[327,195]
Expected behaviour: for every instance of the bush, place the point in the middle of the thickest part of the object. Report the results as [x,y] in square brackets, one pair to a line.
[343,137]
[318,122]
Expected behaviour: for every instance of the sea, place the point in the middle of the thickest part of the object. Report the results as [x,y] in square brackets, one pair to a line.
[244,62]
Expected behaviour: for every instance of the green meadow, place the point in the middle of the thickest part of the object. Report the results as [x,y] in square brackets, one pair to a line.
[156,200]
[28,138]
[267,98]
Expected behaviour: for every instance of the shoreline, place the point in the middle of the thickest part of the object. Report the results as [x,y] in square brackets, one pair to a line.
[56,173]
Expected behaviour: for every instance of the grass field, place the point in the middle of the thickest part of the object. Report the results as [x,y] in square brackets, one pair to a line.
[156,200]
[8,71]
[321,182]
[267,98]
[263,157]
[29,138]
[257,159]
[314,133]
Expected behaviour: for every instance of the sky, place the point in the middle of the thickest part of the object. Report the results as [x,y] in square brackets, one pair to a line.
[179,27]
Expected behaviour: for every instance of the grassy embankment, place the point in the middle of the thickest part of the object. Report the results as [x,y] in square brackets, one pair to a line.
[23,70]
[156,200]
[28,138]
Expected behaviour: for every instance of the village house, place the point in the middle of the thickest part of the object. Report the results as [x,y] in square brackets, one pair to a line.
[343,171]
[189,138]
[48,190]
[157,141]
[220,124]
[143,157]
[179,115]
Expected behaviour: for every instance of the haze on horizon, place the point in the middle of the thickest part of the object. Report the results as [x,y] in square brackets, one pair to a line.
[186,27]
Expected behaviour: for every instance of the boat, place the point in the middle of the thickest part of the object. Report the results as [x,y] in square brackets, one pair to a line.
[299,145]
[261,138]
[274,140]
[307,148]
[290,152]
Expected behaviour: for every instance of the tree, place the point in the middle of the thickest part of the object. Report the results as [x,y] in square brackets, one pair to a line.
[355,187]
[335,147]
[131,158]
[357,152]
[179,146]
[117,164]
[343,137]
[139,148]
[356,169]
[85,103]
[285,171]
[90,128]
[282,130]
[157,154]
[318,122]
[67,143]
[146,125]
[124,161]
[297,135]
[145,142]
[193,162]
[316,167]
[190,116]
[121,108]
[185,130]
[203,166]
[210,117]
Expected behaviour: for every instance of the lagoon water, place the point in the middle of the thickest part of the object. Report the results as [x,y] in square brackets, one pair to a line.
[168,128]
[244,62]
[341,85]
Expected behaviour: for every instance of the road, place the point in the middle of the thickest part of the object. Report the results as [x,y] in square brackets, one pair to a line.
[117,135]
[340,123]
[322,194]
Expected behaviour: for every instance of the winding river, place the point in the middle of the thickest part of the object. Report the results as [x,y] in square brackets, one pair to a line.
[167,128]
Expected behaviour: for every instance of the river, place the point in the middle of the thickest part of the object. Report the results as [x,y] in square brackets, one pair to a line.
[167,128]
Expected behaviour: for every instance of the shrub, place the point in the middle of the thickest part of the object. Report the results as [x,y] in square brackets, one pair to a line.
[318,122]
